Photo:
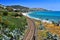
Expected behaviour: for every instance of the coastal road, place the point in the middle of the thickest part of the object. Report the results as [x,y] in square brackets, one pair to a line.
[30,33]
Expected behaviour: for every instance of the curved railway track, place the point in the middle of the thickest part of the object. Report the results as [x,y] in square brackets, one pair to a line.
[30,33]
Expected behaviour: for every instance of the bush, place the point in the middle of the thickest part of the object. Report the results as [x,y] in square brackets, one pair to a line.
[1,13]
[0,19]
[5,13]
[10,9]
[6,22]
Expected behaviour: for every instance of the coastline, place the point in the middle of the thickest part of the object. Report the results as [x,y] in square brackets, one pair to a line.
[27,15]
[49,26]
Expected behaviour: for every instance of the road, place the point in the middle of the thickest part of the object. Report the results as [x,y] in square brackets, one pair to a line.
[30,33]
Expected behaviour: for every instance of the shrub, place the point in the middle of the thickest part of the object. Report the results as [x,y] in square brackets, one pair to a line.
[1,13]
[0,19]
[6,22]
[10,9]
[5,13]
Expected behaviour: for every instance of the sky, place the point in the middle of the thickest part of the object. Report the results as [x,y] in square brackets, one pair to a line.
[46,4]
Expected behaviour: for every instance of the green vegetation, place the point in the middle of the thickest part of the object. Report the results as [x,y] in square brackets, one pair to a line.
[10,9]
[12,24]
[9,24]
[5,13]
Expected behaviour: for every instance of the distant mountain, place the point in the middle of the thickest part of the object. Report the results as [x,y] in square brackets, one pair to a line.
[18,7]
[22,8]
[38,9]
[1,5]
[26,8]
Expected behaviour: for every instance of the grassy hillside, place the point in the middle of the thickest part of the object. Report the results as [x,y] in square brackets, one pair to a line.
[12,27]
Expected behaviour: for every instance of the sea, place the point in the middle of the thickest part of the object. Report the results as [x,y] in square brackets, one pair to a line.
[45,15]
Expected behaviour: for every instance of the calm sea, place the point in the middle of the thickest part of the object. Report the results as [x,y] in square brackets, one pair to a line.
[46,15]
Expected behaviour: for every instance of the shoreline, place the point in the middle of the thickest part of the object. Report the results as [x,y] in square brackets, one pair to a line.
[26,14]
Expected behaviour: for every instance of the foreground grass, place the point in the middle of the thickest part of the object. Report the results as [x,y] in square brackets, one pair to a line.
[12,27]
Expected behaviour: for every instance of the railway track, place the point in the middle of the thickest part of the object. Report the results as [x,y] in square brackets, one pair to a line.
[30,33]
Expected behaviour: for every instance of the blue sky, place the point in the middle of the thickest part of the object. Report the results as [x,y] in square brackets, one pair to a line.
[47,4]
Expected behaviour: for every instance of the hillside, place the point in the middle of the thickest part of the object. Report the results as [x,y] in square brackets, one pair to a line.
[38,9]
[22,8]
[18,7]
